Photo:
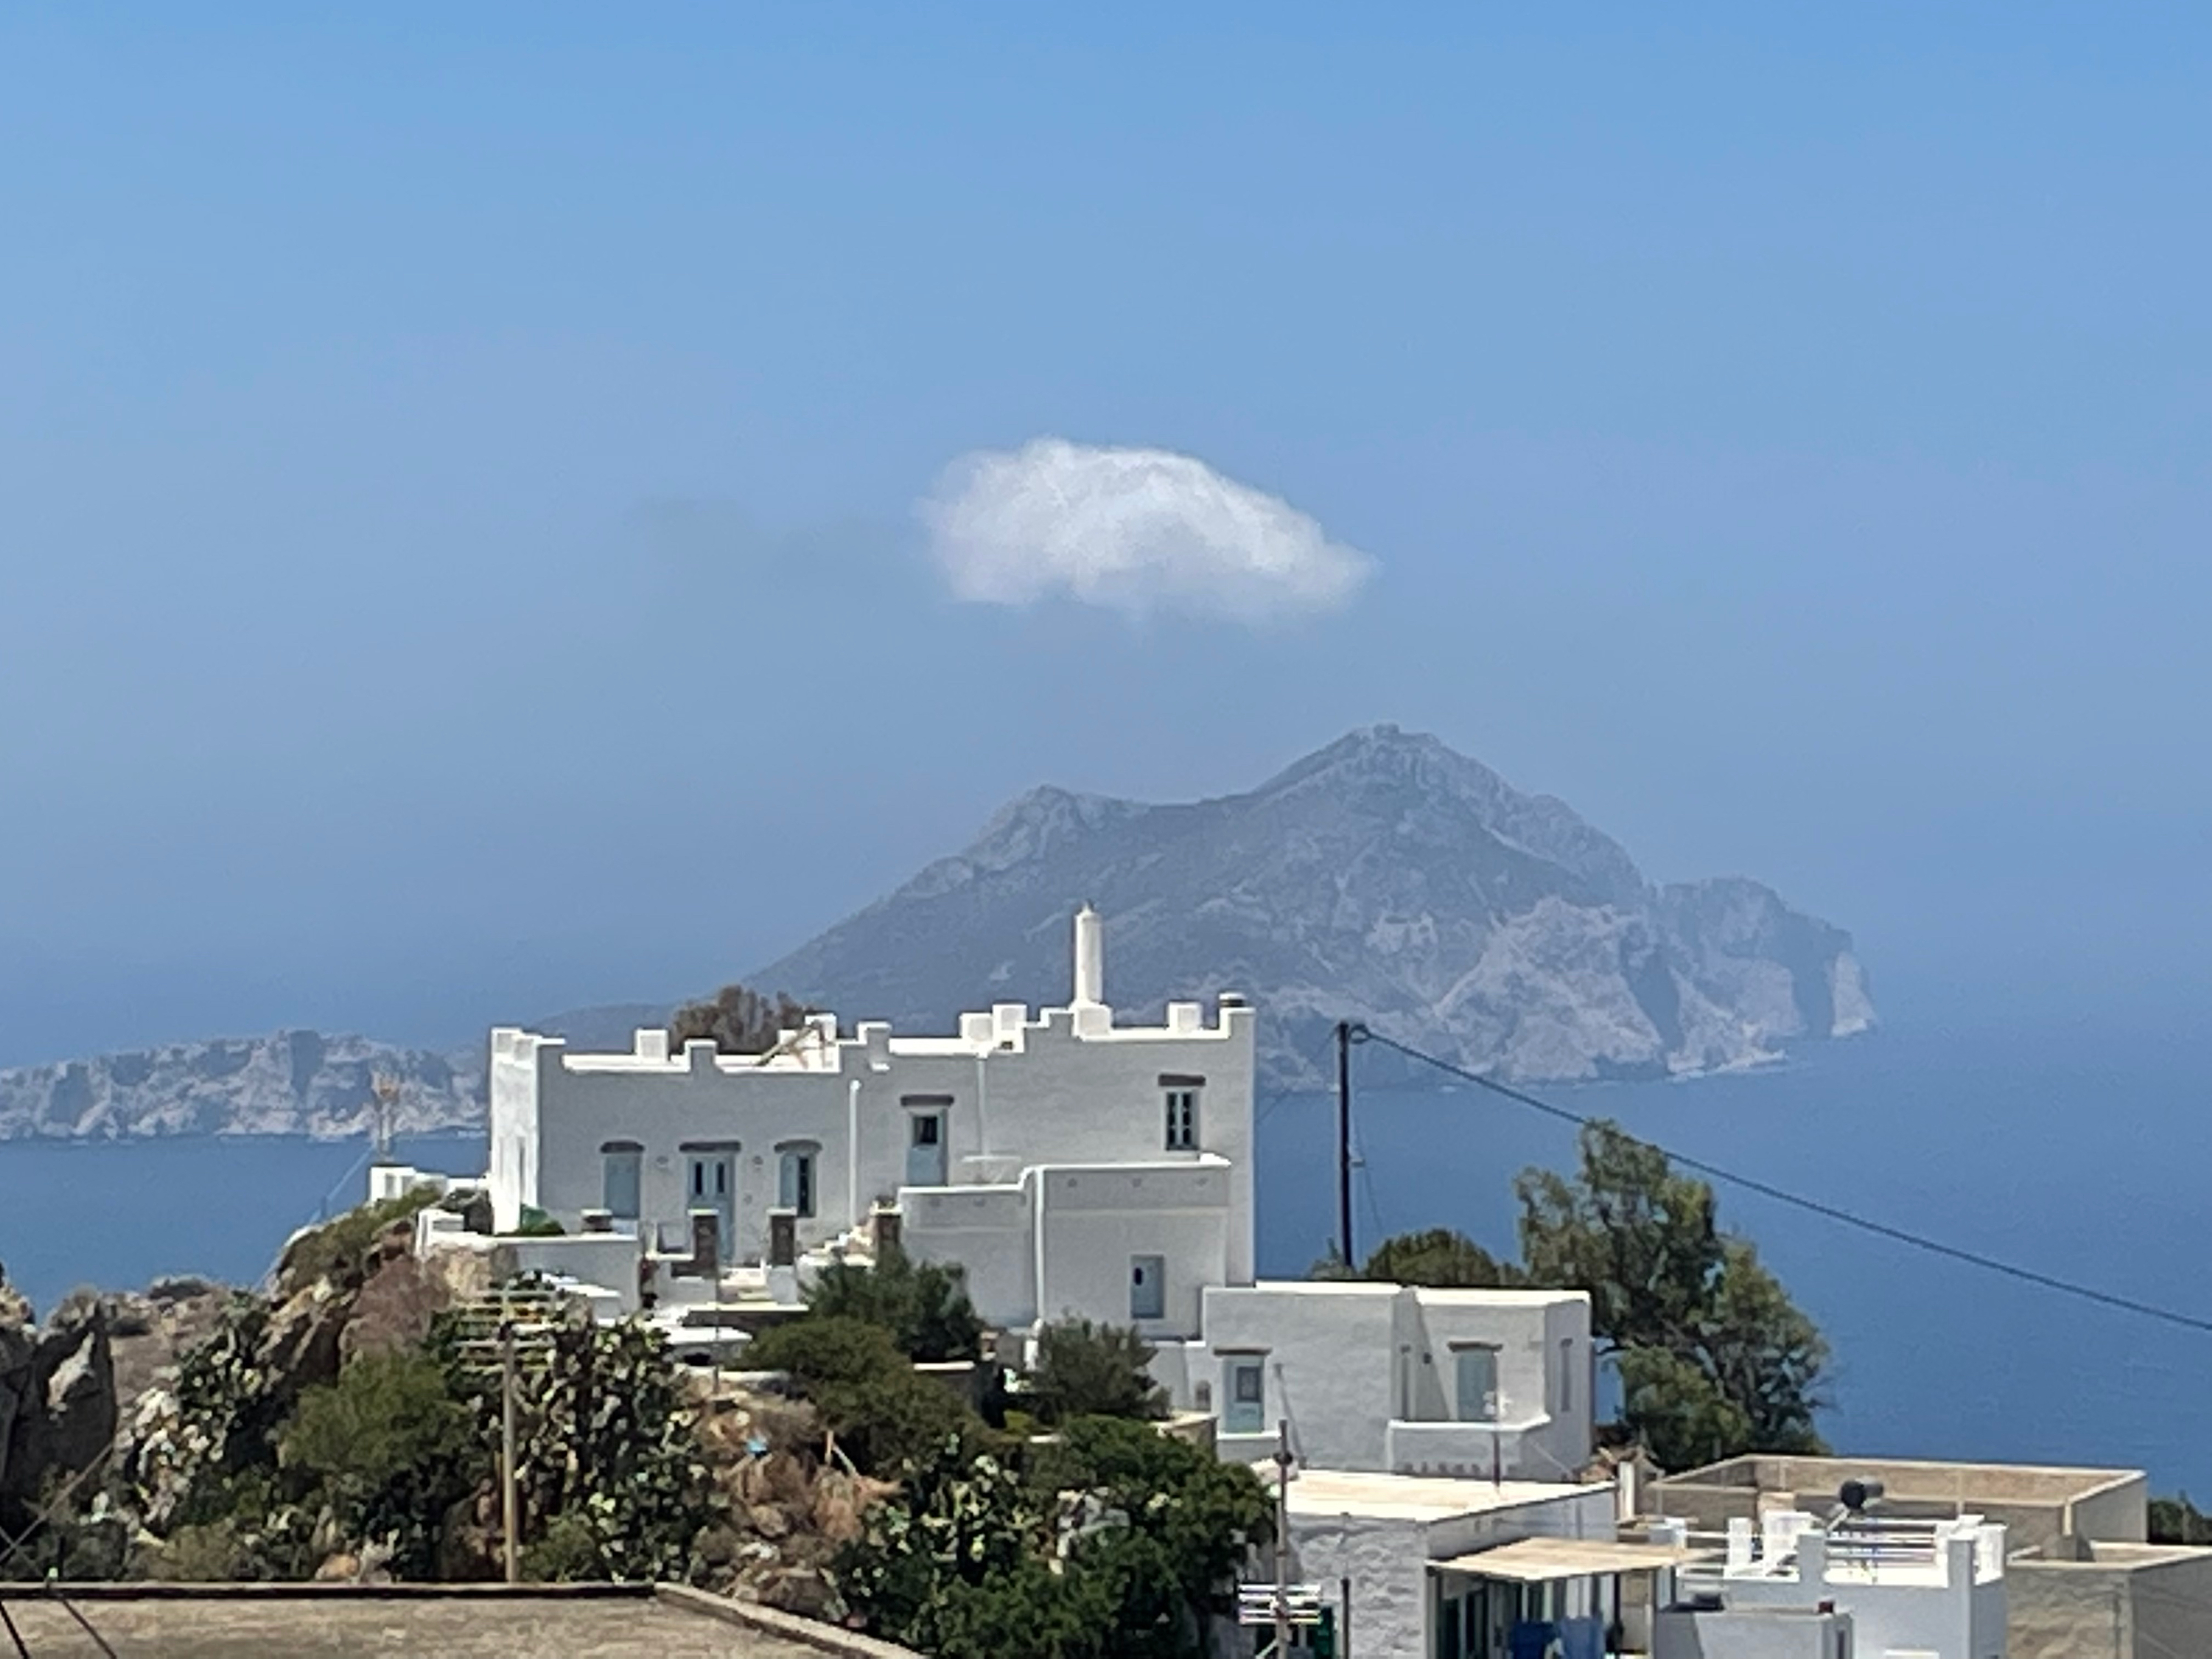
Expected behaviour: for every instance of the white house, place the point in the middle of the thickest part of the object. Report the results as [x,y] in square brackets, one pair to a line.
[1927,1588]
[1482,1384]
[1452,1569]
[1072,1166]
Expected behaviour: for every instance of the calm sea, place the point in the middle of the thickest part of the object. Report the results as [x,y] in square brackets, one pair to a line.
[2091,1161]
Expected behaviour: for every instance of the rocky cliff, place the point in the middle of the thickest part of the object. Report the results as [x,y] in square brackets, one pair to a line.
[289,1082]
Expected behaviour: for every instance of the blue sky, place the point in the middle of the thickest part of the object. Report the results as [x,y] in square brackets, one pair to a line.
[457,470]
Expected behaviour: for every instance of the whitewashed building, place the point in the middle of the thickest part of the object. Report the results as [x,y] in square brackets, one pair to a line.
[1071,1165]
[1913,1588]
[1481,1384]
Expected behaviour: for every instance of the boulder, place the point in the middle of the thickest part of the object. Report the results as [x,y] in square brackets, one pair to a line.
[394,1309]
[58,1400]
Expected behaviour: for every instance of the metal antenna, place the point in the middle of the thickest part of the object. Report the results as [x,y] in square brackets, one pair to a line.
[385,1085]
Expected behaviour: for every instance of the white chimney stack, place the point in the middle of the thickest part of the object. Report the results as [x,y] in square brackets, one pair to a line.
[1090,958]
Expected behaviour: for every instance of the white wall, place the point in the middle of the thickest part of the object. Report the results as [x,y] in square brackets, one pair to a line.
[1948,1612]
[1365,1374]
[1094,1220]
[1328,1350]
[988,1231]
[1755,1633]
[1388,1562]
[1387,1559]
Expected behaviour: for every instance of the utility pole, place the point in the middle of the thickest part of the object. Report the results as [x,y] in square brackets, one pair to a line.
[509,1505]
[1283,1460]
[1344,1143]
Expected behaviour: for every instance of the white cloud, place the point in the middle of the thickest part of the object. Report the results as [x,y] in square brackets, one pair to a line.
[1135,530]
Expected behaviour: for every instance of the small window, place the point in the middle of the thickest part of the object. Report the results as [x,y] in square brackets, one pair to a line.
[928,1129]
[1566,1376]
[619,1180]
[1244,1392]
[1478,1383]
[1148,1287]
[795,1184]
[1182,1120]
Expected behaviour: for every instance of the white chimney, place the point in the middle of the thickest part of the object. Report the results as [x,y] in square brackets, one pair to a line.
[1090,958]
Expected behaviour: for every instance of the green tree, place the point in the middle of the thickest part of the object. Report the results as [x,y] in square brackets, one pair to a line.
[1085,1370]
[1714,1357]
[887,1416]
[1183,1520]
[1438,1257]
[924,1305]
[2177,1521]
[958,1567]
[389,1449]
[1113,1539]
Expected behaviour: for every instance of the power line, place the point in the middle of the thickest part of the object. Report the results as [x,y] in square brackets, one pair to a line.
[1832,1213]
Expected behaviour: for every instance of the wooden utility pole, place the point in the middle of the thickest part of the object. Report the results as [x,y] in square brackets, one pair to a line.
[1283,1460]
[510,1507]
[1344,1143]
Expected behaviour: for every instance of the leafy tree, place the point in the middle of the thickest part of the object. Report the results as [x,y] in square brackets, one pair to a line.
[390,1450]
[924,1305]
[1085,1370]
[886,1415]
[1438,1257]
[958,1567]
[737,1020]
[1189,1521]
[1714,1357]
[2177,1521]
[1116,1539]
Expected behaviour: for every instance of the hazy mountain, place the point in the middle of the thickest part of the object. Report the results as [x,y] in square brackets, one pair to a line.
[1384,877]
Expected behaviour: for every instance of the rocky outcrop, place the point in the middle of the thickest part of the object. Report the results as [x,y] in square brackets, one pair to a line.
[58,1399]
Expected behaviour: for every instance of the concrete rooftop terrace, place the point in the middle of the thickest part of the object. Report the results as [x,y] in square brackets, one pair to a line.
[301,1621]
[1370,1497]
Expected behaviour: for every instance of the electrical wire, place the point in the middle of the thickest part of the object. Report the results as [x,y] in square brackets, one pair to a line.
[1831,1212]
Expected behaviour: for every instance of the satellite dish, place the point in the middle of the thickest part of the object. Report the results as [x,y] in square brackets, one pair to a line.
[1858,1495]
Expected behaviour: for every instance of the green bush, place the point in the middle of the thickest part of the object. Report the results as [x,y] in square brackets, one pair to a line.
[1114,1539]
[924,1305]
[339,1249]
[388,1450]
[613,1480]
[534,1223]
[886,1415]
[1085,1370]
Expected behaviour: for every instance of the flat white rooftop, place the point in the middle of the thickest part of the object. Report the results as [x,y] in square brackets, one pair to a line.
[1323,1492]
[1383,1289]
